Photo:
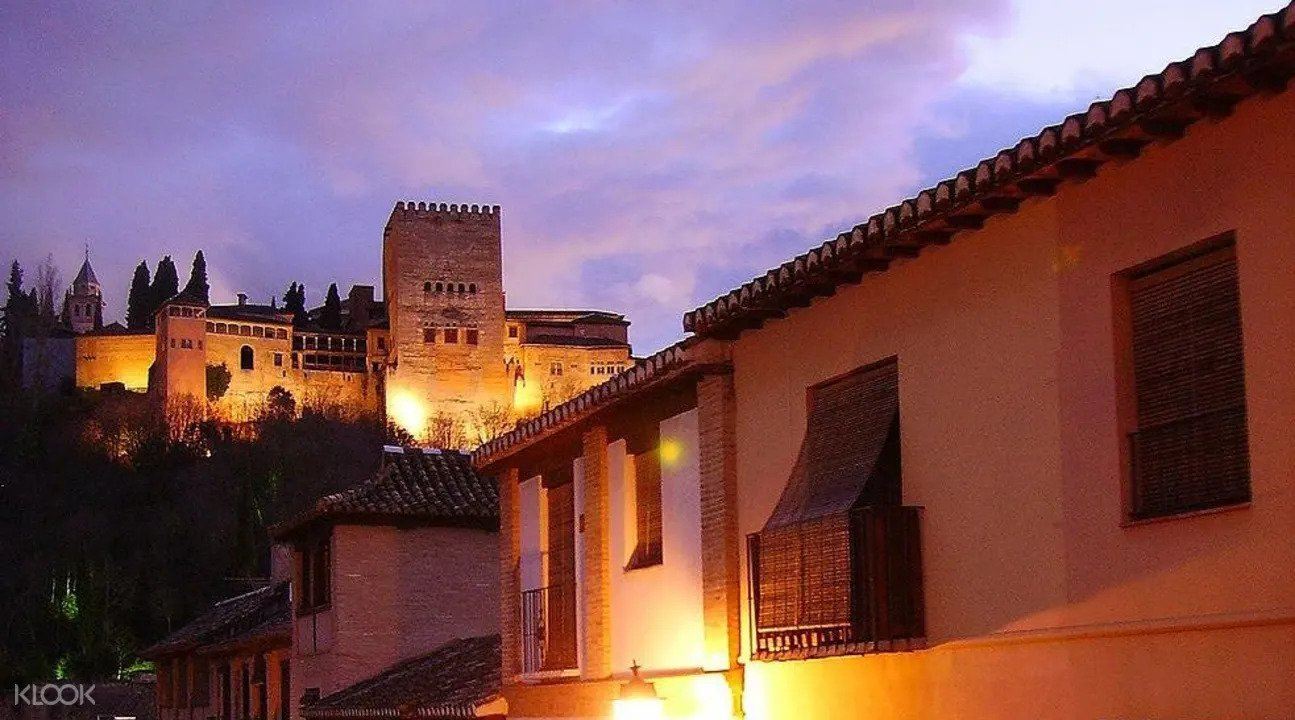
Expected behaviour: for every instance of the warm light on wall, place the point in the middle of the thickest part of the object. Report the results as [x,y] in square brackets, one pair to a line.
[671,452]
[408,412]
[638,700]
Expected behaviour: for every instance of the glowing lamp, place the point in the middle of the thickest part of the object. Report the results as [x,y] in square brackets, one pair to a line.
[637,700]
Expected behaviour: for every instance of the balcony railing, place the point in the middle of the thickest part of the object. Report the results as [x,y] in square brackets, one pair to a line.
[840,585]
[549,628]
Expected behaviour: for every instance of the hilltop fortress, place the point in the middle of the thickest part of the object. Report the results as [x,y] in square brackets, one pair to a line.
[439,349]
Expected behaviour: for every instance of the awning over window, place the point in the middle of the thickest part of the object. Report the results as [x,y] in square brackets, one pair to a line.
[850,419]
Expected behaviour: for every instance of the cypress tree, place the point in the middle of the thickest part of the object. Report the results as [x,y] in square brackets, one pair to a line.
[294,301]
[16,312]
[138,301]
[165,284]
[197,286]
[331,316]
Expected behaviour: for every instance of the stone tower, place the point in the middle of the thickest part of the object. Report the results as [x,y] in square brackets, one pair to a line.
[442,280]
[83,306]
[180,362]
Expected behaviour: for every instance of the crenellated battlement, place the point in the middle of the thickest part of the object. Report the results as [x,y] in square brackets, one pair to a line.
[409,209]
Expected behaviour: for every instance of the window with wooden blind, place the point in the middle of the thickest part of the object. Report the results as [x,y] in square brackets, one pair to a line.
[560,625]
[315,573]
[1189,449]
[646,451]
[837,567]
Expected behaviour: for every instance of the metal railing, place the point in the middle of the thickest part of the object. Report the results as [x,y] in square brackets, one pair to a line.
[548,628]
[864,596]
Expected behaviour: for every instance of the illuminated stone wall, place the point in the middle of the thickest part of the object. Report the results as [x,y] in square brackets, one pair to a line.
[114,358]
[553,373]
[442,270]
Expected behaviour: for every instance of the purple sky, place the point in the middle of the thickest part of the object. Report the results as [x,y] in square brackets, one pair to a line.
[647,158]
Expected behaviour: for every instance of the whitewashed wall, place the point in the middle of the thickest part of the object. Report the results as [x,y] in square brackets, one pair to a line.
[657,611]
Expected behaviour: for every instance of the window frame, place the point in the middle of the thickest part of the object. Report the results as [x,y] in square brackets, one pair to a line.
[314,572]
[1204,254]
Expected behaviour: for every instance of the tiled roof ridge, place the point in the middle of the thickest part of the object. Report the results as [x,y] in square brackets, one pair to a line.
[650,368]
[223,616]
[266,588]
[1109,129]
[397,690]
[435,485]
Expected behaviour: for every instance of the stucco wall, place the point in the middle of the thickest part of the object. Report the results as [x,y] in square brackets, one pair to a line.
[1010,441]
[656,611]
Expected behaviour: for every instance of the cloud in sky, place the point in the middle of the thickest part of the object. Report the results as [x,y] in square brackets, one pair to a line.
[646,157]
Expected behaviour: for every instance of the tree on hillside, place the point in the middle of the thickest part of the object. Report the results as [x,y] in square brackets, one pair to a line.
[197,286]
[138,302]
[47,289]
[280,404]
[331,316]
[18,310]
[165,284]
[218,377]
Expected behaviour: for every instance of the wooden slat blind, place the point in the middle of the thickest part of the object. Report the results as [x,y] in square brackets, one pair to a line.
[1190,448]
[647,500]
[804,572]
[560,651]
[848,423]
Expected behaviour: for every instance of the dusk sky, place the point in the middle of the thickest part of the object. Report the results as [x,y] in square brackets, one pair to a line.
[647,156]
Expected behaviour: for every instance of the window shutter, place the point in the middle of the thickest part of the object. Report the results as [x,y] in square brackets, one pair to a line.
[561,628]
[1190,448]
[848,423]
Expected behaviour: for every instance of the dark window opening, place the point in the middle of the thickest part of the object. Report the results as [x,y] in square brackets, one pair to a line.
[314,569]
[646,450]
[471,336]
[429,335]
[451,335]
[1189,449]
[245,358]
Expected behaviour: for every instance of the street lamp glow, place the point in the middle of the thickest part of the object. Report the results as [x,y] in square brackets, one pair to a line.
[638,700]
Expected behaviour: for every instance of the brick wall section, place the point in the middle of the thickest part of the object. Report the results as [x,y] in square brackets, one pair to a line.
[509,583]
[395,594]
[597,576]
[718,471]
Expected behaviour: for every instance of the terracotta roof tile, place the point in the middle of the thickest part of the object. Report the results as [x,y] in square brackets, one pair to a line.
[645,372]
[1159,106]
[426,485]
[264,610]
[449,682]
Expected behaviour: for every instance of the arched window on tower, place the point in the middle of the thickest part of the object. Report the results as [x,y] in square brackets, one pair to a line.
[440,287]
[427,287]
[472,288]
[462,287]
[245,358]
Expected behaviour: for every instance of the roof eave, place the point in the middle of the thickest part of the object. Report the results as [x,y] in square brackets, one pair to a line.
[1159,108]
